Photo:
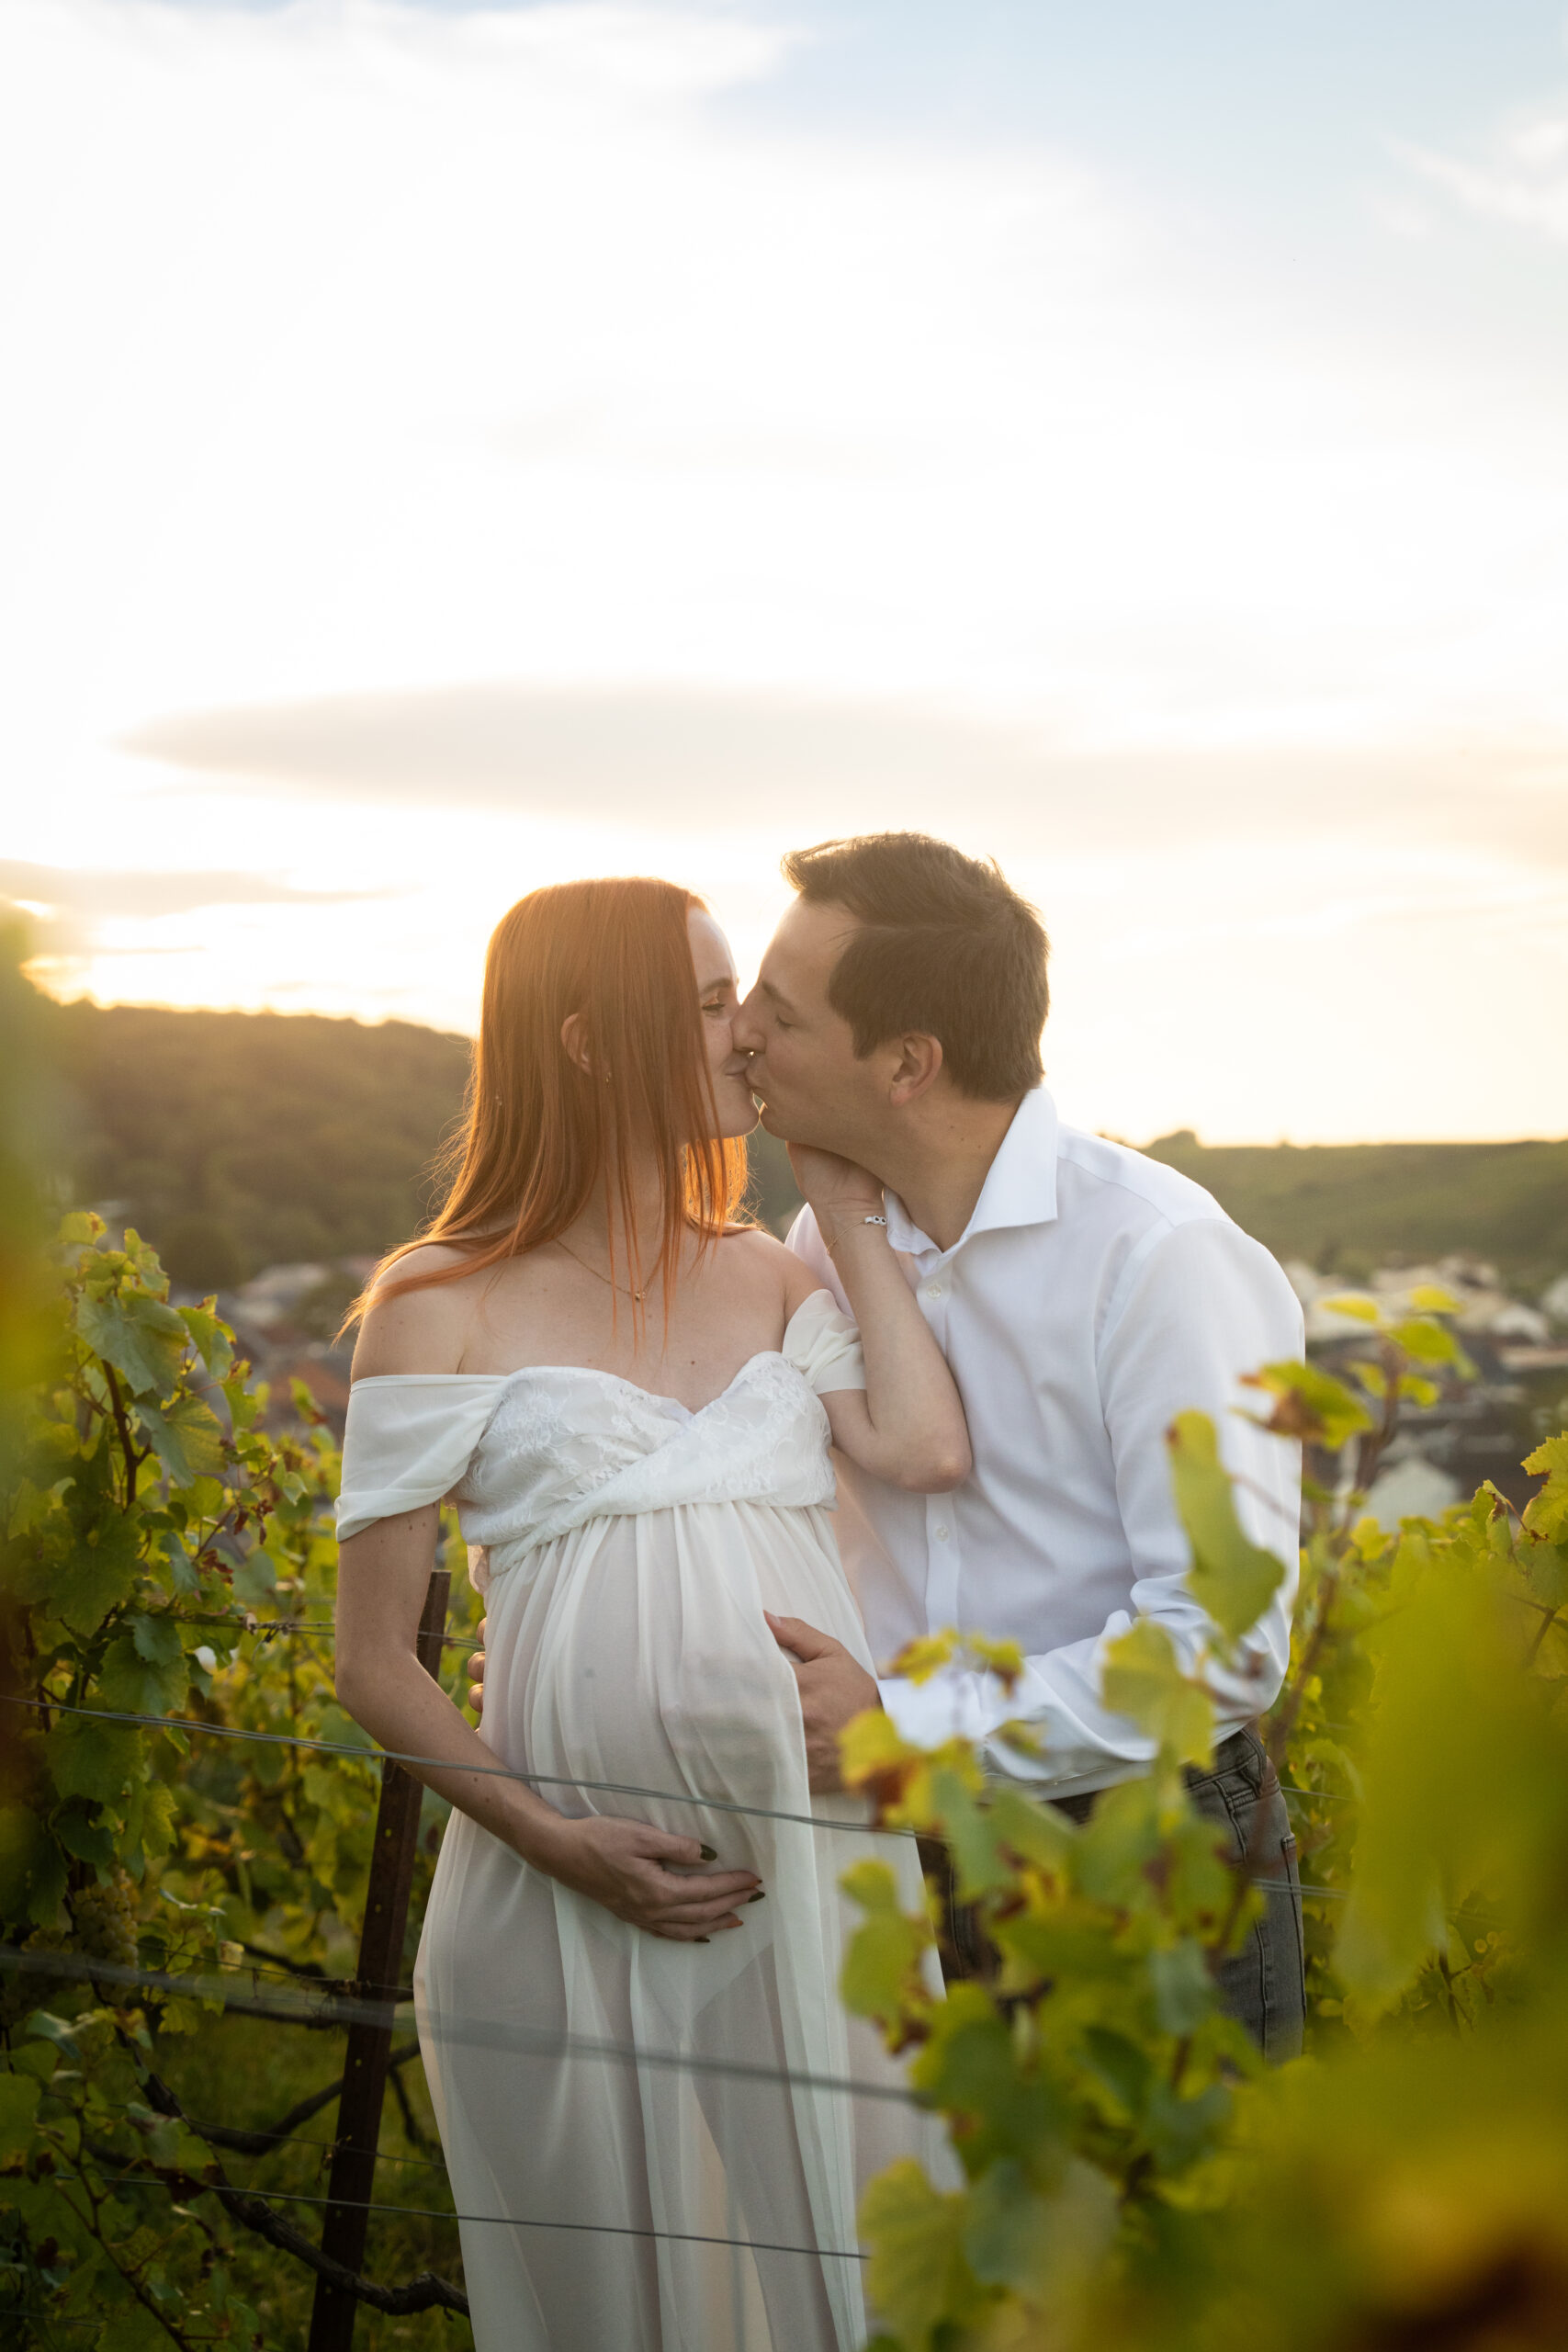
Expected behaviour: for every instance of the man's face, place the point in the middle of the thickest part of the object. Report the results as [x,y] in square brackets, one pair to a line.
[813,1089]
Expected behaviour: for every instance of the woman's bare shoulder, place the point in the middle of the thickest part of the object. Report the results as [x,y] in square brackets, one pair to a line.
[772,1262]
[416,1330]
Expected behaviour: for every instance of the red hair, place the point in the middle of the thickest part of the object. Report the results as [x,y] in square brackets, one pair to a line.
[538,1131]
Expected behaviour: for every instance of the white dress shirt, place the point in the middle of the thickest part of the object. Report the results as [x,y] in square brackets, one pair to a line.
[1093,1295]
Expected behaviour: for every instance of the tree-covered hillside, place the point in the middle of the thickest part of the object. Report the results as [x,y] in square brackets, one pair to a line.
[236,1140]
[253,1137]
[1348,1207]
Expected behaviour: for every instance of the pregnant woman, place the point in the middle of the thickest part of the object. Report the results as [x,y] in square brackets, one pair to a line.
[630,1397]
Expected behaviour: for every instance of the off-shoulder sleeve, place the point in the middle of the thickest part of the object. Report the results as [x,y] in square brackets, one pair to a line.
[823,1344]
[409,1438]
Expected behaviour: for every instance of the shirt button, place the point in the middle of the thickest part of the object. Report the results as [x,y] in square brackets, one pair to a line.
[939,1533]
[933,1290]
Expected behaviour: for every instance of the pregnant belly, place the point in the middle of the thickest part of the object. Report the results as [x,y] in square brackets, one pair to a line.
[639,1654]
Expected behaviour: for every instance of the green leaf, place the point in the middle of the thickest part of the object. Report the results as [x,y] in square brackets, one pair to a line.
[917,2278]
[971,1837]
[1183,1988]
[1427,1299]
[20,2095]
[1427,1341]
[1044,2248]
[214,1338]
[33,1868]
[255,1581]
[130,1680]
[1037,1831]
[879,1966]
[1143,1681]
[1546,1572]
[187,1438]
[1546,1513]
[969,2067]
[1311,1404]
[1124,2065]
[89,1841]
[84,1584]
[143,1339]
[1179,2130]
[1354,1302]
[1231,1578]
[94,1759]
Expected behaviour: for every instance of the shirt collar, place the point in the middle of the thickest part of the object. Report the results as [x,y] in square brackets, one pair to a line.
[1020,1186]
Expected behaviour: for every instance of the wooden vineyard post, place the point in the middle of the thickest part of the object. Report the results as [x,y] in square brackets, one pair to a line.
[353,2178]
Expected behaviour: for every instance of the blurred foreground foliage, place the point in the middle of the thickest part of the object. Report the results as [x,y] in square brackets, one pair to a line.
[1133,2176]
[165,1558]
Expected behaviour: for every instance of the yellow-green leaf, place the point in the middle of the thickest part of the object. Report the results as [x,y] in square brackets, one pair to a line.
[1143,1681]
[917,2278]
[1231,1578]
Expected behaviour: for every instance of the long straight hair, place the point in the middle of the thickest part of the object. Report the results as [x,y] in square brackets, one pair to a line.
[539,1132]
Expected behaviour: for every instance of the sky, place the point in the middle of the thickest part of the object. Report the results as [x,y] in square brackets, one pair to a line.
[448,449]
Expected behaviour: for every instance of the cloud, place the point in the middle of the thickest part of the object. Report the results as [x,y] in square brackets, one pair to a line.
[99,892]
[692,761]
[1523,182]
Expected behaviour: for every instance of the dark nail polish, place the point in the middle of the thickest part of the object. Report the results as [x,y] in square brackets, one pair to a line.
[758,1897]
[710,1853]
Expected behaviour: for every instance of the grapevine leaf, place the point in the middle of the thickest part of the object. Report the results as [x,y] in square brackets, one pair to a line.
[971,1838]
[1183,1989]
[96,1576]
[917,2277]
[99,1760]
[1353,1303]
[143,1339]
[1311,1404]
[1427,1299]
[1427,1341]
[1143,1681]
[141,1685]
[1546,1513]
[1037,1831]
[32,1868]
[1231,1578]
[214,1338]
[1546,1572]
[186,1436]
[89,1841]
[20,2095]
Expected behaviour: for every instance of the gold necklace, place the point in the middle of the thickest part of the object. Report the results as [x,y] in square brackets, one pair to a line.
[607,1280]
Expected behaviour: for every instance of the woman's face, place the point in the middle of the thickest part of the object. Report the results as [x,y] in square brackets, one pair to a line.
[720,1000]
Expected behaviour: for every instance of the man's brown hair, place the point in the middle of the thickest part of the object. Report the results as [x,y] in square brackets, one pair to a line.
[946,946]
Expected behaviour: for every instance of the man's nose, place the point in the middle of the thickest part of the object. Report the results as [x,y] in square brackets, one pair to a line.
[746,1029]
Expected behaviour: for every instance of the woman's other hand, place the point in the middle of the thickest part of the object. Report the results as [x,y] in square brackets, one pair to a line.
[624,1867]
[476,1670]
[837,1191]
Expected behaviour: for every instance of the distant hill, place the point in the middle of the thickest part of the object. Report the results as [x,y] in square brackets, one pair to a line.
[1348,1207]
[236,1140]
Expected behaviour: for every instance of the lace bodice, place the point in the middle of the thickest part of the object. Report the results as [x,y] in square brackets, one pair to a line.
[530,1454]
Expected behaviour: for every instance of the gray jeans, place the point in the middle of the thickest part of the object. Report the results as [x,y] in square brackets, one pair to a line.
[1263,1982]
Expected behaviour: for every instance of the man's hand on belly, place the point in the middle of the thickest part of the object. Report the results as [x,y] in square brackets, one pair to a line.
[834,1687]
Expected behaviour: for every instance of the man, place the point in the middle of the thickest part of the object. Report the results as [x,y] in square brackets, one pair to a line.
[1083,1295]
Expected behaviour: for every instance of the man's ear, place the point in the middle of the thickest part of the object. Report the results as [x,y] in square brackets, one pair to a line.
[918,1065]
[574,1041]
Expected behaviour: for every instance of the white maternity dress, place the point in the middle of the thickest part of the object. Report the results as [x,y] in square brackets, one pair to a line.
[609,2101]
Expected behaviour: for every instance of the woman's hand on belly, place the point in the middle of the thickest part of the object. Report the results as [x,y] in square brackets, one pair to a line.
[625,1867]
